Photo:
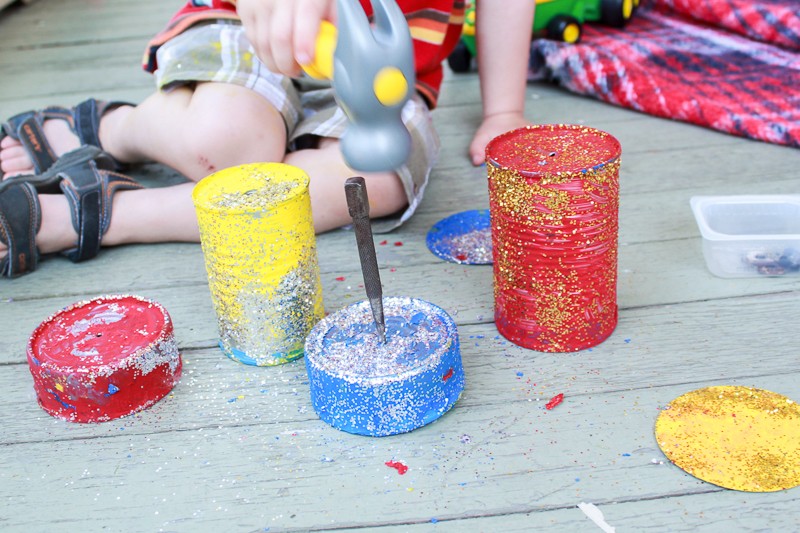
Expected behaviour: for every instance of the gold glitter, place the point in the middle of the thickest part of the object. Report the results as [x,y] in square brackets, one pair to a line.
[736,437]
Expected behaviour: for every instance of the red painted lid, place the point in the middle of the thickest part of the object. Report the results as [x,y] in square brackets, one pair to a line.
[100,332]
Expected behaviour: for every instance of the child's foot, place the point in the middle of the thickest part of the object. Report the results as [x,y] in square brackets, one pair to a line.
[56,233]
[14,158]
[31,224]
[74,222]
[34,140]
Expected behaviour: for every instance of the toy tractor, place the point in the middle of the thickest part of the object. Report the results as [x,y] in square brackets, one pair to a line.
[560,20]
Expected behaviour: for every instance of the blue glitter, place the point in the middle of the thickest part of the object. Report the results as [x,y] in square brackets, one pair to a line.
[463,238]
[62,402]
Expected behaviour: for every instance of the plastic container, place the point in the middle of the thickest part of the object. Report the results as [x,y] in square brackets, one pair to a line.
[749,235]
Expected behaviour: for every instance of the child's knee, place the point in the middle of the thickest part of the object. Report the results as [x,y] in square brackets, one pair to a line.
[221,140]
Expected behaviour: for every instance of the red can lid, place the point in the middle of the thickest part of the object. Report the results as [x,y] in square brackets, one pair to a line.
[91,335]
[86,358]
[552,149]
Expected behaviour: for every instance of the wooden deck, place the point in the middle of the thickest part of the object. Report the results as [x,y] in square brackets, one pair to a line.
[237,448]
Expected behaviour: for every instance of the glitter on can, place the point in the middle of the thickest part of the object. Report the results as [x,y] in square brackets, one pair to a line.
[260,252]
[464,238]
[103,359]
[736,437]
[362,386]
[554,204]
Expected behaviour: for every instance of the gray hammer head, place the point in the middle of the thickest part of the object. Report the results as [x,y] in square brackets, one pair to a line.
[373,77]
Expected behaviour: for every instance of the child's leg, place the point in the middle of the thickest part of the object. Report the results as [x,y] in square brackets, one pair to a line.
[195,131]
[164,214]
[167,214]
[199,131]
[328,172]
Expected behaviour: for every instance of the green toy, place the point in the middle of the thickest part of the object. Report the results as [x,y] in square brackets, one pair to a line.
[560,20]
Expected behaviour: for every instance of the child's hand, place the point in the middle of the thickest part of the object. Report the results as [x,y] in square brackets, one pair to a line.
[283,32]
[491,127]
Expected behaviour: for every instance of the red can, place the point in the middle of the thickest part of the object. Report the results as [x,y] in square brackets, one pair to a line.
[554,205]
[103,359]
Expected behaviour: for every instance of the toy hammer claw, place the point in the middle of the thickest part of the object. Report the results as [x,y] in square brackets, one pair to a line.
[373,76]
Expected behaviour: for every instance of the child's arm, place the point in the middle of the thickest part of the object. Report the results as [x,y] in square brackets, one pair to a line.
[503,38]
[284,32]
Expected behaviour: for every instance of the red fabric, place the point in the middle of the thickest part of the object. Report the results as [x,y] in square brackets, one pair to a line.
[667,64]
[768,21]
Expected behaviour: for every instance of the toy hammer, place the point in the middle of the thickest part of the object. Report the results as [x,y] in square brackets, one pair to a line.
[372,73]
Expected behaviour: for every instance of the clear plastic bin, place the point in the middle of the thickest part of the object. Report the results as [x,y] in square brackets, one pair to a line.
[750,235]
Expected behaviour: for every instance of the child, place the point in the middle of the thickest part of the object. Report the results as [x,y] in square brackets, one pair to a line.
[208,115]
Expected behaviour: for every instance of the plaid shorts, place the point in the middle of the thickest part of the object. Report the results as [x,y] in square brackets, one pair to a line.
[219,51]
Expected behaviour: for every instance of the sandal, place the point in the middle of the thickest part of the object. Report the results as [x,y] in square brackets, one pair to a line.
[20,220]
[88,180]
[83,120]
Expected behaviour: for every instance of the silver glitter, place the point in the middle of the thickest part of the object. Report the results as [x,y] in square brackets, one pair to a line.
[415,337]
[473,247]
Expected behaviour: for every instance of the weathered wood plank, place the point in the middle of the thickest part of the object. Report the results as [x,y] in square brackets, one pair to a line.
[64,23]
[239,448]
[706,342]
[672,513]
[510,459]
[669,270]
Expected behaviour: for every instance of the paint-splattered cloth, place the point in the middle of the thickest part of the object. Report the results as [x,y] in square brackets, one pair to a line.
[730,65]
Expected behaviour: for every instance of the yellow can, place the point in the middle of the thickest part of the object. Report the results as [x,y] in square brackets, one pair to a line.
[260,253]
